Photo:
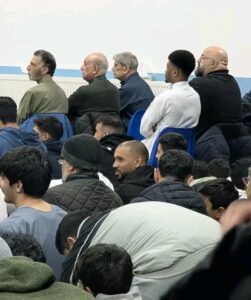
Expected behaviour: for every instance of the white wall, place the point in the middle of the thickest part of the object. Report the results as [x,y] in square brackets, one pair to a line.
[149,28]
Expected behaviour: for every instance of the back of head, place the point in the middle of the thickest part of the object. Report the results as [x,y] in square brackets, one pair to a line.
[219,168]
[106,269]
[200,169]
[8,110]
[48,60]
[221,192]
[111,122]
[24,245]
[127,59]
[69,227]
[176,164]
[100,60]
[239,169]
[29,166]
[50,125]
[170,141]
[184,60]
[83,152]
[137,148]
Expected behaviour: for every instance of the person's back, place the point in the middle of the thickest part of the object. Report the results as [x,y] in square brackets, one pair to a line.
[47,96]
[164,240]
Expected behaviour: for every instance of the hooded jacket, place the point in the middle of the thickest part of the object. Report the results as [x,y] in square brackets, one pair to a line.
[54,151]
[11,138]
[134,183]
[21,279]
[175,192]
[109,144]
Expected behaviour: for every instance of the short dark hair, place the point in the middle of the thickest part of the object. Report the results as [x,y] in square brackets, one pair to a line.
[136,147]
[105,268]
[24,245]
[48,59]
[69,227]
[219,168]
[221,192]
[175,163]
[30,166]
[114,122]
[200,169]
[239,169]
[8,110]
[172,140]
[50,125]
[184,60]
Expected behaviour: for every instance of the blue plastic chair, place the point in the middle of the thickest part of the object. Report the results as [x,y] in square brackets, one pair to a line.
[134,125]
[28,124]
[189,135]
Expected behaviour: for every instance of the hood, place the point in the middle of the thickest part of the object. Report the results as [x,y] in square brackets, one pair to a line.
[53,145]
[113,140]
[141,176]
[133,294]
[17,138]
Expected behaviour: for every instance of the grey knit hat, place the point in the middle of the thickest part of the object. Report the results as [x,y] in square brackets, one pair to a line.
[4,249]
[83,151]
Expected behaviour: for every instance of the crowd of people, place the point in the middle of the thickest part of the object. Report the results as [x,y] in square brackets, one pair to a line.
[83,215]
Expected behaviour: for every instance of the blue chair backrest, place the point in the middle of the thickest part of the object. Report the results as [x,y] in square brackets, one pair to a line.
[28,124]
[134,125]
[189,135]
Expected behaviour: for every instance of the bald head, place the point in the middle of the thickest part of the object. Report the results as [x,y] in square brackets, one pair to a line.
[212,59]
[129,156]
[95,64]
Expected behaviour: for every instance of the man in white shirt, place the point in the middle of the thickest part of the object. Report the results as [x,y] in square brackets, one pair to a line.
[178,106]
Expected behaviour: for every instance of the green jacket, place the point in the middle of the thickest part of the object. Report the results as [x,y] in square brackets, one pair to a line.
[46,97]
[22,279]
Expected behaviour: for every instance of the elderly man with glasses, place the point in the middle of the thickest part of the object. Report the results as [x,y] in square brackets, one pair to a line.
[220,129]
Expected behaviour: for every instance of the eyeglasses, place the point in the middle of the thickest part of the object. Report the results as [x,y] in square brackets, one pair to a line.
[204,57]
[61,160]
[245,180]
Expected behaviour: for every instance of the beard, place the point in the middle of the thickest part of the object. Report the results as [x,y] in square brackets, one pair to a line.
[198,72]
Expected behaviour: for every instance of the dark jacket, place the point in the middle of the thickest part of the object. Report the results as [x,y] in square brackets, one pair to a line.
[11,138]
[109,144]
[227,141]
[85,192]
[223,275]
[98,96]
[135,94]
[54,151]
[220,100]
[134,183]
[175,192]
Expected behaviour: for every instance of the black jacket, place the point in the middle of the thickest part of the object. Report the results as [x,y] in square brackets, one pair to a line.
[134,183]
[83,191]
[175,192]
[109,144]
[220,100]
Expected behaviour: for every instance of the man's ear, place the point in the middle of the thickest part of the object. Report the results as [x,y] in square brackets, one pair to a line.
[71,240]
[219,212]
[188,179]
[19,186]
[45,136]
[86,288]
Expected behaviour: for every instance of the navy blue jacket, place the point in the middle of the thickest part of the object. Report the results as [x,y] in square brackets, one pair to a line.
[135,94]
[54,151]
[11,138]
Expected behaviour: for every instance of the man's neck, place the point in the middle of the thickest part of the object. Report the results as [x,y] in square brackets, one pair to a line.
[36,203]
[10,124]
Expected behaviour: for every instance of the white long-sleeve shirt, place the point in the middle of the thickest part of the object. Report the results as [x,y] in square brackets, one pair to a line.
[179,106]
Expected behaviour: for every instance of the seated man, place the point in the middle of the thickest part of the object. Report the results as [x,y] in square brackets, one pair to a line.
[11,136]
[171,141]
[175,169]
[25,177]
[219,168]
[99,96]
[131,169]
[81,188]
[217,195]
[47,96]
[106,271]
[165,241]
[179,105]
[135,93]
[109,133]
[50,131]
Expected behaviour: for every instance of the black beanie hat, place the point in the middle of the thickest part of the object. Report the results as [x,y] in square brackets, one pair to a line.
[184,60]
[83,151]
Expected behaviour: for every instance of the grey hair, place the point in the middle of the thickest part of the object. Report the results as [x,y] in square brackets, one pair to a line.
[100,60]
[127,59]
